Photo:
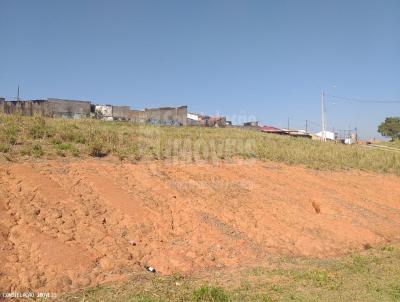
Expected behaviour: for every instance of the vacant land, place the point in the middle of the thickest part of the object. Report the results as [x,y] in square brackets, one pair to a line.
[69,224]
[372,275]
[221,214]
[53,138]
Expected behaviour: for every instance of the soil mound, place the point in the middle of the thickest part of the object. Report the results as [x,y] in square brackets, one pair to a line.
[72,224]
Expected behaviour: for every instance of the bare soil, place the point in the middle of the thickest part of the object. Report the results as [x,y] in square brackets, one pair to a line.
[76,223]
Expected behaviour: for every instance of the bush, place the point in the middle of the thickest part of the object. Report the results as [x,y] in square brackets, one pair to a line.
[37,150]
[97,148]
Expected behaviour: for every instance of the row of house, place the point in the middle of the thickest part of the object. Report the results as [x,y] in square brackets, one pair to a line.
[64,108]
[179,116]
[348,139]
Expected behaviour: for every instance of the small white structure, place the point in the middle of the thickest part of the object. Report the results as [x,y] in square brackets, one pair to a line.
[193,119]
[105,112]
[348,141]
[192,116]
[329,135]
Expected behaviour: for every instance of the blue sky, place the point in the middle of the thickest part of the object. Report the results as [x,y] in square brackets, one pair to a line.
[267,60]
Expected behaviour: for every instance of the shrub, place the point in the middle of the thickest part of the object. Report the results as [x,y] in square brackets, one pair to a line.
[97,148]
[37,150]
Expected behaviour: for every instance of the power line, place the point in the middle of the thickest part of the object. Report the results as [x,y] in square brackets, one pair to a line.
[362,101]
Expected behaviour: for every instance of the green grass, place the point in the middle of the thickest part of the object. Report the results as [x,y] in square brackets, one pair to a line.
[372,275]
[20,136]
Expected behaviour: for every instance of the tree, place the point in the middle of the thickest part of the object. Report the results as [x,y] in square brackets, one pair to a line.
[390,128]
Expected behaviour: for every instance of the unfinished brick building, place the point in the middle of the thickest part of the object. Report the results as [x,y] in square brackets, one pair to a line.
[163,115]
[51,108]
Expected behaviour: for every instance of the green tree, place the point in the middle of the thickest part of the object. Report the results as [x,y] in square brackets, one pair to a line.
[390,128]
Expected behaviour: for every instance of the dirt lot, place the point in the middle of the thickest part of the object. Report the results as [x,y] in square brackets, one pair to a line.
[71,224]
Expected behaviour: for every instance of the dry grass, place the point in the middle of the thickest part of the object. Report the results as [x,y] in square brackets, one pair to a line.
[51,138]
[392,144]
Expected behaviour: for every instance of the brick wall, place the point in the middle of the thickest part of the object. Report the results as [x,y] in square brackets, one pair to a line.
[167,115]
[68,108]
[120,112]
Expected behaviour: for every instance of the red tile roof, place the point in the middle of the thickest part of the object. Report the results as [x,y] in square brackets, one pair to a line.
[271,129]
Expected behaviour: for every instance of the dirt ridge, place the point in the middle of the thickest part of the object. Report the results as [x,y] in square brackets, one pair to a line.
[71,224]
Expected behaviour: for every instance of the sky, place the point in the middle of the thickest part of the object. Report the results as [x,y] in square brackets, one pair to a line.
[249,60]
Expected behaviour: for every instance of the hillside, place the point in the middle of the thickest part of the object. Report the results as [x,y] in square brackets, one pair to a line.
[54,138]
[221,214]
[72,223]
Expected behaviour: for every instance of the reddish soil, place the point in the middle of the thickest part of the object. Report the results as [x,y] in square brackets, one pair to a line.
[72,224]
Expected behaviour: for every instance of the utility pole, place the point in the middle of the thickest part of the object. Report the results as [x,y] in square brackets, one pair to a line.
[18,94]
[323,117]
[288,123]
[306,126]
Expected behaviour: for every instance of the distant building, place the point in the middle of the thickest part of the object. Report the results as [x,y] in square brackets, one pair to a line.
[103,112]
[120,113]
[160,116]
[51,108]
[348,141]
[274,130]
[193,119]
[2,102]
[290,132]
[217,121]
[167,115]
[68,108]
[251,124]
[137,116]
[299,133]
[329,135]
[212,121]
[111,112]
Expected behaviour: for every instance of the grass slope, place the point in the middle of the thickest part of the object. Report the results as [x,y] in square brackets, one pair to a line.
[372,275]
[50,138]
